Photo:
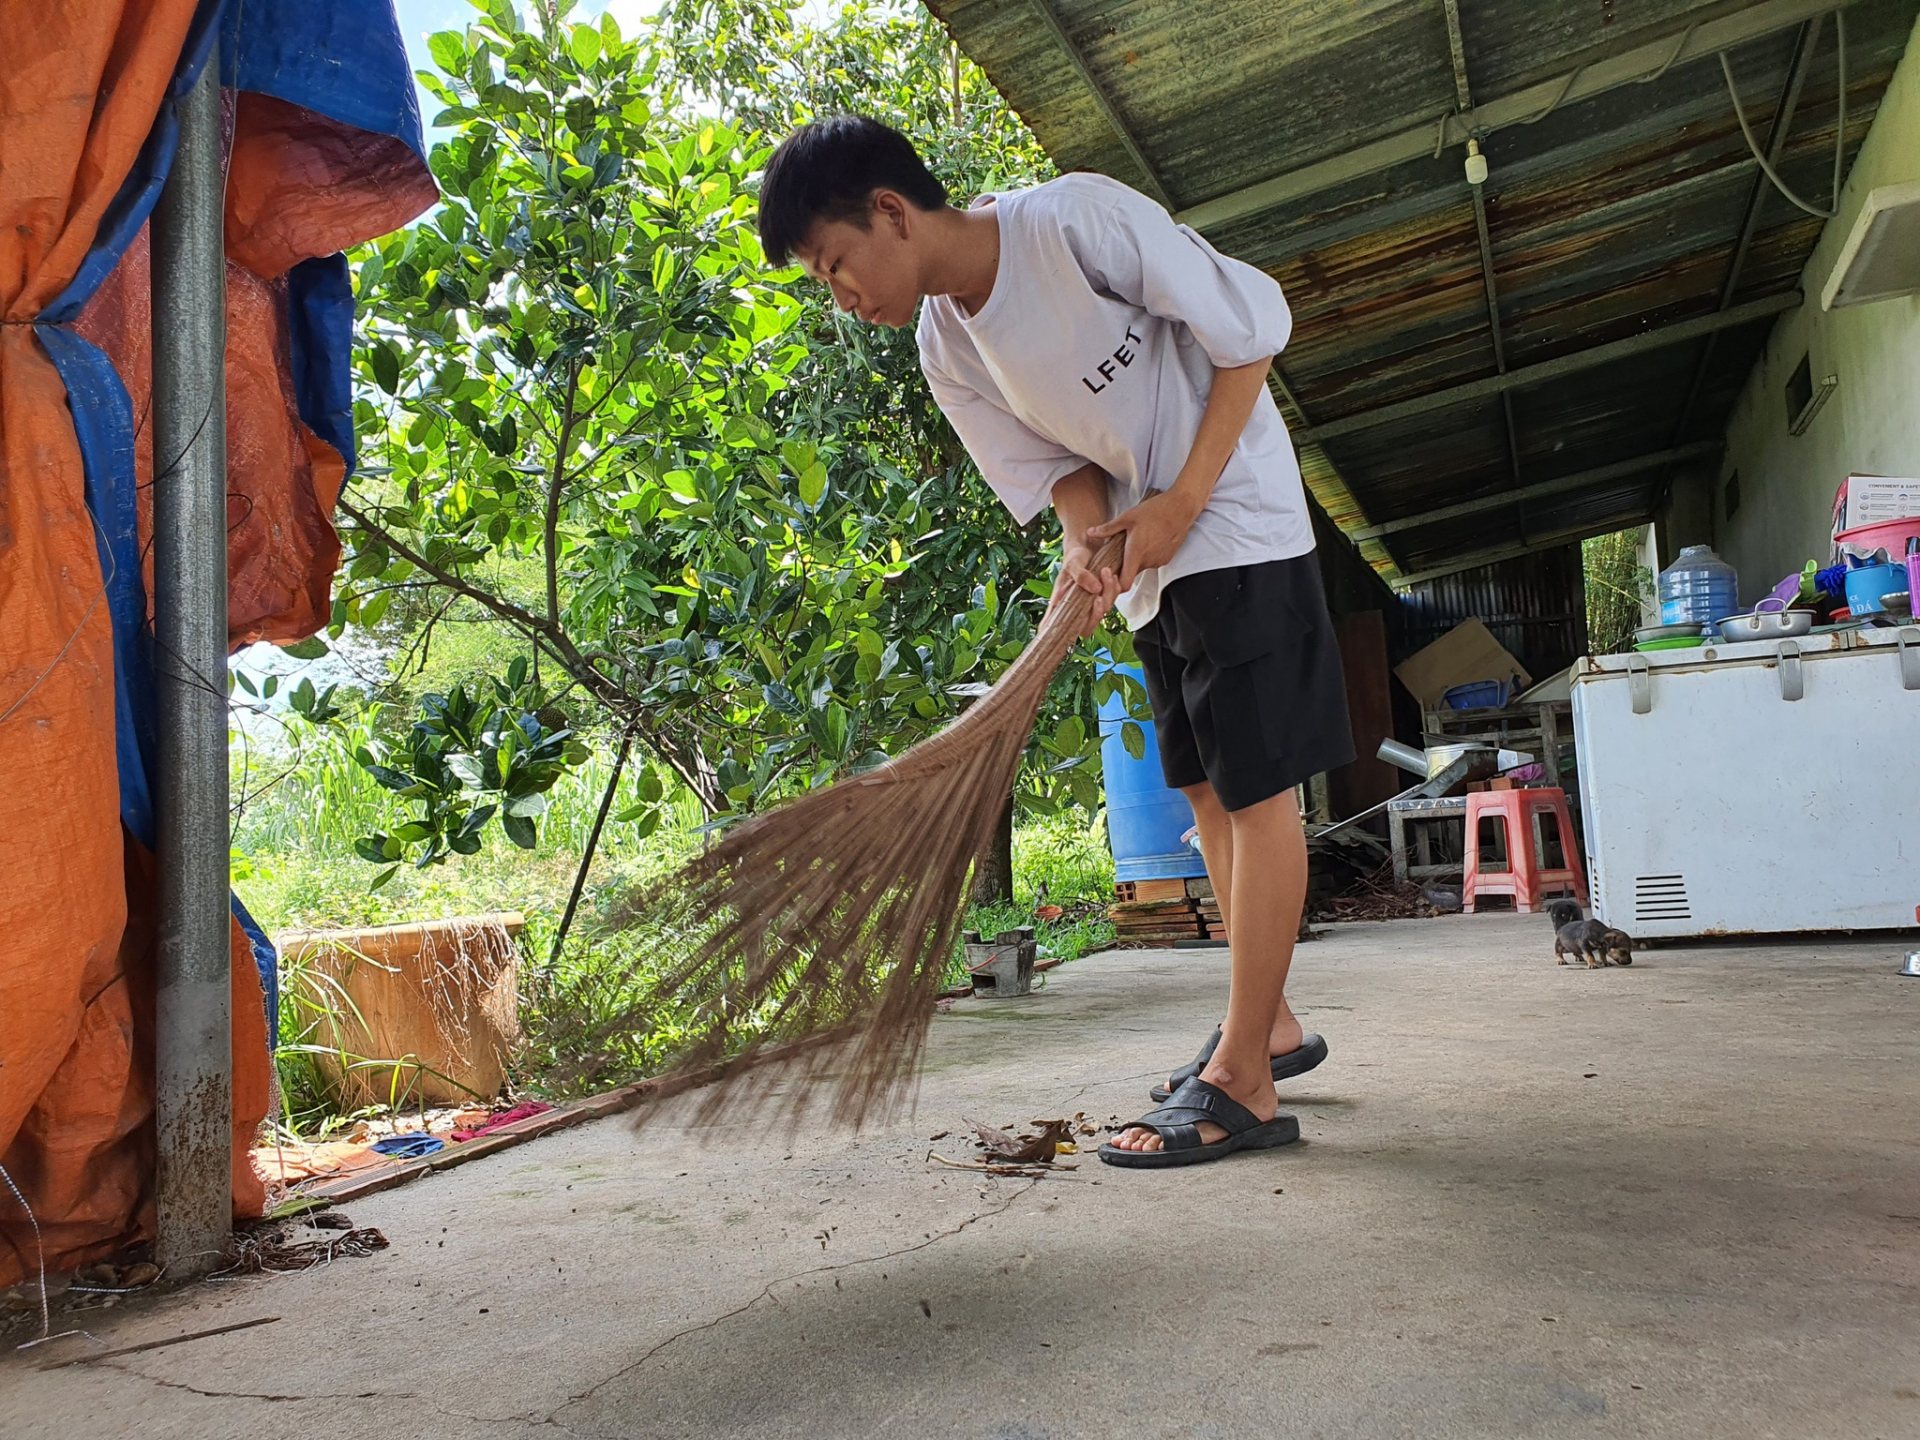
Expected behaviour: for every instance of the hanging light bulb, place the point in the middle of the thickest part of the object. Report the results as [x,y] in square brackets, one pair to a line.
[1476,164]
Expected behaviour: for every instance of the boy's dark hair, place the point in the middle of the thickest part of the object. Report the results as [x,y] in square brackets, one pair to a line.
[828,170]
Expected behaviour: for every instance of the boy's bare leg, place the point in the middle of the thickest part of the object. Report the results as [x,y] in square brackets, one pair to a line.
[1216,844]
[1262,882]
[1271,831]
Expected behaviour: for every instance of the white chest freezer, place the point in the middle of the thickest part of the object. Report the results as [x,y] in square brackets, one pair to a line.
[1757,787]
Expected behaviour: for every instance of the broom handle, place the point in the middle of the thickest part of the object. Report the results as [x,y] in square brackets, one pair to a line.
[1064,624]
[1022,684]
[1077,608]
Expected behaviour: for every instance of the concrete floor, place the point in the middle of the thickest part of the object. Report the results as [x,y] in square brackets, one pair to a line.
[1677,1200]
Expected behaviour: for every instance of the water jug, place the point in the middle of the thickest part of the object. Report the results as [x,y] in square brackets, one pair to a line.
[1699,588]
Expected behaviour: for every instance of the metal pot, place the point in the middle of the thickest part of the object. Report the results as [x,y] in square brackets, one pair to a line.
[1767,624]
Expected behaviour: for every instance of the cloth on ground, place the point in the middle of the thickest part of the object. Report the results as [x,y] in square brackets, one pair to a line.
[526,1110]
[414,1145]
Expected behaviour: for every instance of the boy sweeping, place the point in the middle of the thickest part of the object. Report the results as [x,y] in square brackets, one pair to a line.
[1095,356]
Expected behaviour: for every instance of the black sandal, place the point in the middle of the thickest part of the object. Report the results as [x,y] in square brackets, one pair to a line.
[1177,1123]
[1295,1062]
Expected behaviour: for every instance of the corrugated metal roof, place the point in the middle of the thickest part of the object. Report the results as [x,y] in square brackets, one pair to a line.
[1611,214]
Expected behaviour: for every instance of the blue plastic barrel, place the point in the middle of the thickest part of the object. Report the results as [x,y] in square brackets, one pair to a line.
[1145,819]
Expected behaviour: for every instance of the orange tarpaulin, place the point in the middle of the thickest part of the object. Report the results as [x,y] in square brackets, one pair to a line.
[79,96]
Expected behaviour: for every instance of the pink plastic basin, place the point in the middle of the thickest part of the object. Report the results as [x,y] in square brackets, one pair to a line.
[1890,534]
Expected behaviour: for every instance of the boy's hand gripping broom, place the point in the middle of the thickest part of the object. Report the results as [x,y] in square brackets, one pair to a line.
[818,932]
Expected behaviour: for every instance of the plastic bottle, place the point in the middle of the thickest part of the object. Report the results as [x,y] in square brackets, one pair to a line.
[1699,588]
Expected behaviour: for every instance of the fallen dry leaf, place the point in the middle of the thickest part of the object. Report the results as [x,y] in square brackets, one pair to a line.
[1025,1150]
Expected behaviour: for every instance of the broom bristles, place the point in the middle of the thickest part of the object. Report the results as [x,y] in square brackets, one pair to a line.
[818,933]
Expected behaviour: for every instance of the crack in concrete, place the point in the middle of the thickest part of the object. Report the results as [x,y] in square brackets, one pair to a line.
[766,1293]
[1074,1098]
[339,1395]
[259,1395]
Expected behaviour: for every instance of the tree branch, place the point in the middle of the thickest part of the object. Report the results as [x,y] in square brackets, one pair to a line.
[558,643]
[556,487]
[505,609]
[586,854]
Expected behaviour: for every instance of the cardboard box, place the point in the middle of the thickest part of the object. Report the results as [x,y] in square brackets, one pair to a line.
[1874,500]
[1466,653]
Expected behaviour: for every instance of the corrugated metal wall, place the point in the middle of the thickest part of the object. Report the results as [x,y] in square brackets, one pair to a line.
[1535,605]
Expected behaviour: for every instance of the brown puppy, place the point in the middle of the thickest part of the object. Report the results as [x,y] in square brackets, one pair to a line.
[1618,946]
[1593,942]
[1564,912]
[1575,941]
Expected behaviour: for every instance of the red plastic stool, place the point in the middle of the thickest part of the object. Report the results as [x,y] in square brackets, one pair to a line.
[1528,878]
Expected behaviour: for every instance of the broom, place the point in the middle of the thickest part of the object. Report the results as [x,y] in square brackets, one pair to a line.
[817,934]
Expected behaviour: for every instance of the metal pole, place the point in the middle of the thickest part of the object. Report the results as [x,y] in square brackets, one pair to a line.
[193,1096]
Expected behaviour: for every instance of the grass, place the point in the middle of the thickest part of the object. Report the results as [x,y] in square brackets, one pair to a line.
[294,866]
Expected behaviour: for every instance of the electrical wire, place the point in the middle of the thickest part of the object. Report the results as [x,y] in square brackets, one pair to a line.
[1839,136]
[39,1250]
[1573,78]
[40,1255]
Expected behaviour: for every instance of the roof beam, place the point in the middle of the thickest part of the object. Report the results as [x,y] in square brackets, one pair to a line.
[1540,490]
[1493,321]
[1044,9]
[1473,561]
[1529,375]
[1457,46]
[1463,92]
[1522,107]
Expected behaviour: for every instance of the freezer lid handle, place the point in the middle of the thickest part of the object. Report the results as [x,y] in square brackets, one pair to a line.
[1640,684]
[1793,685]
[1908,639]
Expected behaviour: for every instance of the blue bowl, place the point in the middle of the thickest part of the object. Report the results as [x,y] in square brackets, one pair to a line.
[1866,585]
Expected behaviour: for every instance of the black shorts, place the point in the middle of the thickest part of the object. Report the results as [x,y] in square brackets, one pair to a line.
[1244,674]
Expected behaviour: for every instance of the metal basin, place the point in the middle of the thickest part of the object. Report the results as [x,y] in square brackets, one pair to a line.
[1650,633]
[1767,625]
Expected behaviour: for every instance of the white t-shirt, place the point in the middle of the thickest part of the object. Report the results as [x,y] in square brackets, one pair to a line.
[1098,344]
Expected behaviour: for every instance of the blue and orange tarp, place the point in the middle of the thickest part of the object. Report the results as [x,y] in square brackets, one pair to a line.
[324,151]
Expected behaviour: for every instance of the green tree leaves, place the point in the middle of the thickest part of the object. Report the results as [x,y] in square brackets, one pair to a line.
[718,512]
[467,758]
